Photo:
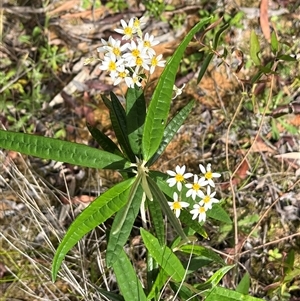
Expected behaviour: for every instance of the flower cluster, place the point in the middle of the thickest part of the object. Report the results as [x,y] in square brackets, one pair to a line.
[203,200]
[130,60]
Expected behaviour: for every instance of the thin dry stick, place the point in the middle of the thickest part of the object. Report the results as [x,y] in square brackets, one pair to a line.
[271,243]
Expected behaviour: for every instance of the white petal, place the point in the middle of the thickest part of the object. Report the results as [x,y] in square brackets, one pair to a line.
[202,168]
[184,204]
[187,175]
[171,173]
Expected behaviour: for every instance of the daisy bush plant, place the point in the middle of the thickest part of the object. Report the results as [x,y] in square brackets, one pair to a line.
[143,129]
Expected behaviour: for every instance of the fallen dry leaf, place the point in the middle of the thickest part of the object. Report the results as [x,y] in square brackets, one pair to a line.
[264,19]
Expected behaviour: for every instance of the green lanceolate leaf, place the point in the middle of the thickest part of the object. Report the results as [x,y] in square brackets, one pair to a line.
[203,252]
[152,271]
[224,294]
[158,222]
[274,43]
[135,118]
[163,256]
[214,279]
[96,213]
[110,296]
[218,34]
[254,48]
[185,218]
[244,285]
[122,225]
[118,120]
[218,213]
[159,197]
[105,142]
[184,292]
[171,129]
[127,279]
[159,106]
[204,66]
[159,282]
[209,56]
[64,151]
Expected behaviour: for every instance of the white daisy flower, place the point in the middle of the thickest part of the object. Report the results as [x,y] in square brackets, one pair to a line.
[179,176]
[176,205]
[121,74]
[137,24]
[148,42]
[134,79]
[208,199]
[199,211]
[208,174]
[156,61]
[195,188]
[114,46]
[110,64]
[128,29]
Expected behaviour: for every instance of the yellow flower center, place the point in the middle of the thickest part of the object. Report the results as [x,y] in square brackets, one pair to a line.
[136,23]
[176,205]
[139,61]
[116,51]
[147,44]
[179,178]
[208,175]
[112,66]
[196,187]
[122,74]
[154,61]
[135,52]
[201,210]
[128,31]
[206,199]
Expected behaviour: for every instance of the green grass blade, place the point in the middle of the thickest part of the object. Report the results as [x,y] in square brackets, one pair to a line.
[135,117]
[171,129]
[127,279]
[122,225]
[163,256]
[105,142]
[96,213]
[59,150]
[159,106]
[159,197]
